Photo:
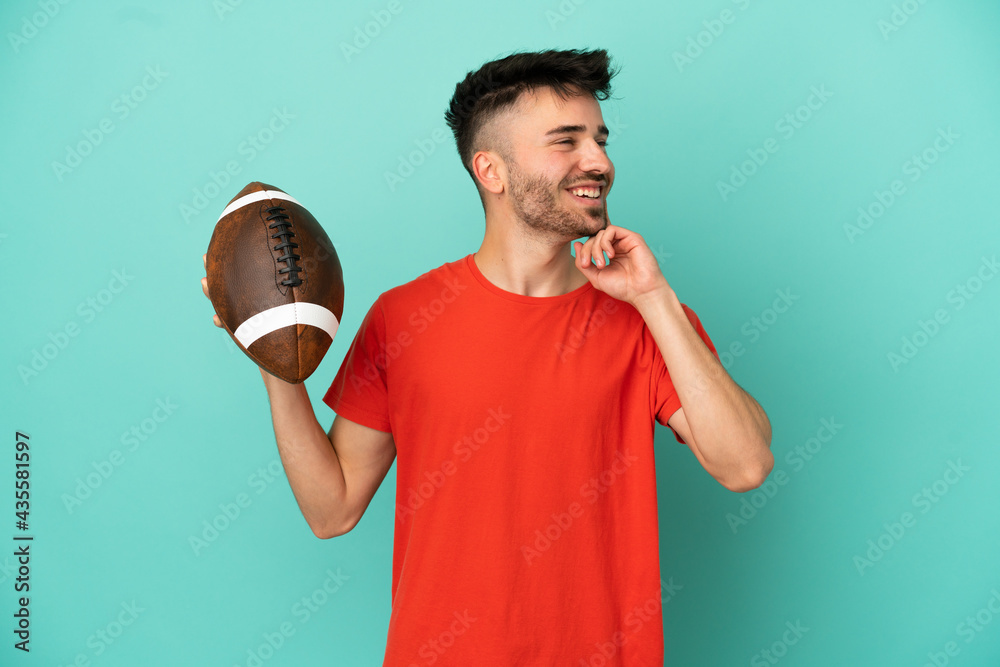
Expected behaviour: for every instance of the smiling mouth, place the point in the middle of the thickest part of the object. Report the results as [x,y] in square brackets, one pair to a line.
[585,199]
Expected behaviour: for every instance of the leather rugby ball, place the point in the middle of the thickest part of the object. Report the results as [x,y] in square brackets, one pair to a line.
[275,281]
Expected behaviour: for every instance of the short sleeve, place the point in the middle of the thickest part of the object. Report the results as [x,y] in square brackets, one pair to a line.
[665,399]
[359,390]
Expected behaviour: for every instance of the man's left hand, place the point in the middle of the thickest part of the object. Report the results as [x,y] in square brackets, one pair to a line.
[632,271]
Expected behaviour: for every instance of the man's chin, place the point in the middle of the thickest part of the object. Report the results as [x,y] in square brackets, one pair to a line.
[597,221]
[591,229]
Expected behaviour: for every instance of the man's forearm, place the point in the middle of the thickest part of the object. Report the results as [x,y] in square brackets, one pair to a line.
[731,430]
[311,463]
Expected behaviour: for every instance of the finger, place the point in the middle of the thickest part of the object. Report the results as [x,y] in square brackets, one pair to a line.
[216,321]
[584,253]
[598,248]
[582,258]
[607,242]
[204,286]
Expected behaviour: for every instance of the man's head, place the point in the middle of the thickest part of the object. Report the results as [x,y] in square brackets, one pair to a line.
[528,128]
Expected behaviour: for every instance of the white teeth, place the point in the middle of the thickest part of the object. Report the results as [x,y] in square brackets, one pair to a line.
[593,193]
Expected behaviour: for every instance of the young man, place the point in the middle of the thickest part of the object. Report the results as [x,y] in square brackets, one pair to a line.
[517,389]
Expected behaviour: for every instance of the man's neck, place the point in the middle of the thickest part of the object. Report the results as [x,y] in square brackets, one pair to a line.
[530,270]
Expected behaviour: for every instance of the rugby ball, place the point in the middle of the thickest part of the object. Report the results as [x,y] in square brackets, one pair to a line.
[275,281]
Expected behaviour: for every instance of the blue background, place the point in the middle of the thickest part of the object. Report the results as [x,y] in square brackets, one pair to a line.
[699,94]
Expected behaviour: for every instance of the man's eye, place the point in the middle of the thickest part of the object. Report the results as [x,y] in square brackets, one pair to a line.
[569,141]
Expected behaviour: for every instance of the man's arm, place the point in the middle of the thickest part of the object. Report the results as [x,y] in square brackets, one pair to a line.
[726,429]
[333,475]
[733,433]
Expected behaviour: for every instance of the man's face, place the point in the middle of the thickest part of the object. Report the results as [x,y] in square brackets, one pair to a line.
[558,145]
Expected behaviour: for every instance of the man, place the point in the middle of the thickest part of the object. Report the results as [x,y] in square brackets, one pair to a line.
[517,389]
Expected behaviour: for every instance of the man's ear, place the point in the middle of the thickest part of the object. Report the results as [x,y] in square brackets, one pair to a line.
[490,172]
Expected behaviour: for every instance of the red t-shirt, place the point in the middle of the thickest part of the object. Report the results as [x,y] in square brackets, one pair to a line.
[526,520]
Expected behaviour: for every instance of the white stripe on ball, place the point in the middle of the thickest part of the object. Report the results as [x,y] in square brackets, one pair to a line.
[255,197]
[287,315]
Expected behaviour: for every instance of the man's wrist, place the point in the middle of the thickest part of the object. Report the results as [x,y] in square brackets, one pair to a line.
[657,297]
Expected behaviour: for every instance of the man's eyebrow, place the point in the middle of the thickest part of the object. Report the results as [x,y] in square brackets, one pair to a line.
[571,129]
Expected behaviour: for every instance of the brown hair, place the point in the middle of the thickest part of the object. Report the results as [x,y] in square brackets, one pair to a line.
[493,90]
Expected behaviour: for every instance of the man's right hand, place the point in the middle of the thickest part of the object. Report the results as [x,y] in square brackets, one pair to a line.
[319,464]
[204,288]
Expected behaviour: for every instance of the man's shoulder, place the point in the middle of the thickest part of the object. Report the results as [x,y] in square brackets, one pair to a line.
[440,282]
